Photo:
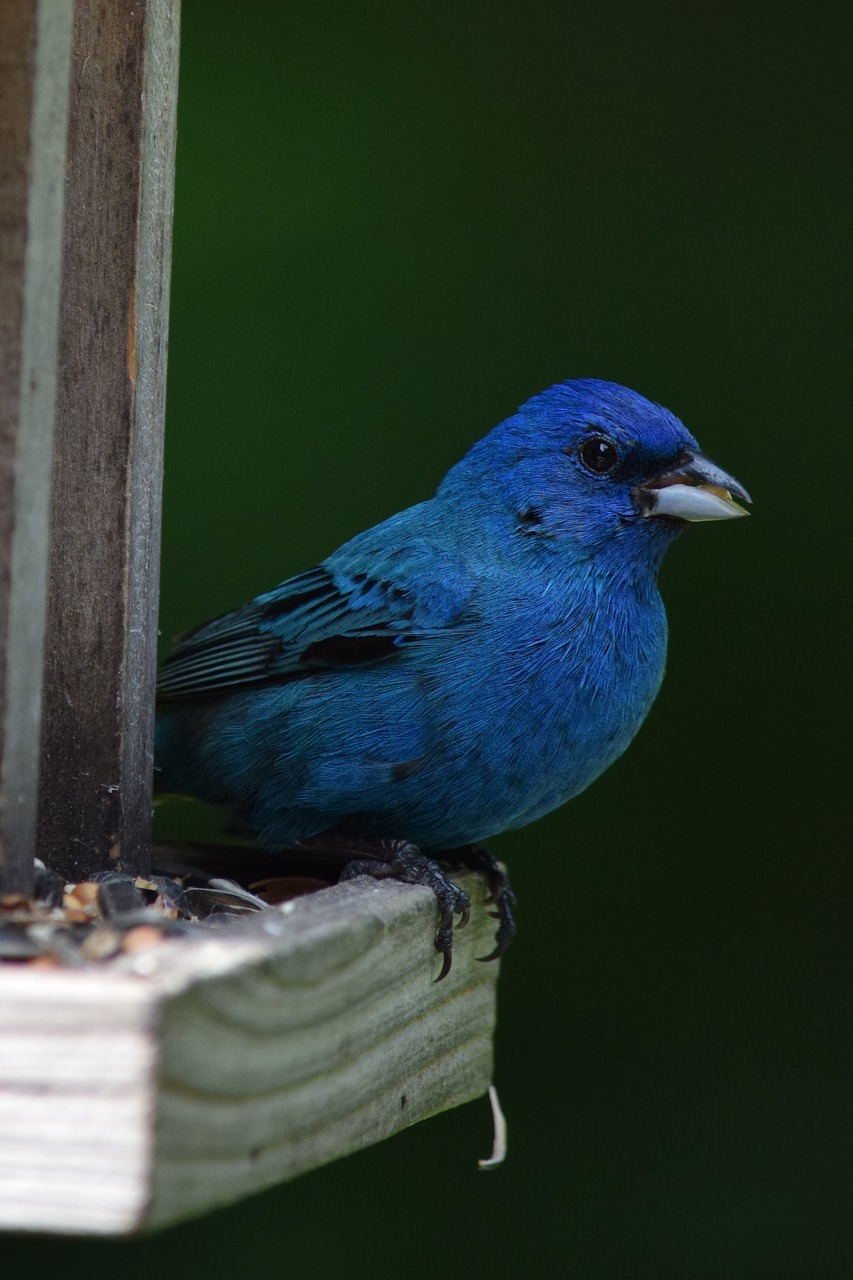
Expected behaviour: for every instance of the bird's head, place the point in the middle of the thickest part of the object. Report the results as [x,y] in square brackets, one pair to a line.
[587,463]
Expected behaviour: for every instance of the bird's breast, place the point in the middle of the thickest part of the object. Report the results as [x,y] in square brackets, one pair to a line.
[571,689]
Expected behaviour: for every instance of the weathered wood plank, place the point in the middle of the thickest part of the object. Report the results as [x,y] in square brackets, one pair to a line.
[77,1061]
[35,48]
[204,1070]
[97,737]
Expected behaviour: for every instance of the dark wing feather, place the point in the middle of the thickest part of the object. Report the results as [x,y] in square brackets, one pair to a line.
[310,623]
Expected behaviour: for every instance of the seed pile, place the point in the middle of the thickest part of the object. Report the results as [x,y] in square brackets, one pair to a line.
[80,925]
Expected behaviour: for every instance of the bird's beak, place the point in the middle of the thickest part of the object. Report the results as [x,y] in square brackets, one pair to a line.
[693,489]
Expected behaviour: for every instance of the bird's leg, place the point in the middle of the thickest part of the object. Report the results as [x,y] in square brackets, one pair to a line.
[400,860]
[501,893]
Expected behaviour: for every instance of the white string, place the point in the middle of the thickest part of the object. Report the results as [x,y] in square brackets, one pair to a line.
[499,1143]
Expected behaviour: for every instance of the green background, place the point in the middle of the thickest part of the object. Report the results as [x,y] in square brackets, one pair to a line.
[394,222]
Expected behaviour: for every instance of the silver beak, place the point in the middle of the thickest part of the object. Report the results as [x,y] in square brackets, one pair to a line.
[695,488]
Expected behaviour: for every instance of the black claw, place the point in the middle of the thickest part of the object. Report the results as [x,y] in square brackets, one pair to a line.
[443,944]
[500,896]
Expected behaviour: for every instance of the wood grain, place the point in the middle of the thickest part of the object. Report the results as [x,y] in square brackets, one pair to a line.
[35,47]
[201,1071]
[97,736]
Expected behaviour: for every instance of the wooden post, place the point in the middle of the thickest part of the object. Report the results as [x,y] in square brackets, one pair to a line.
[35,47]
[97,734]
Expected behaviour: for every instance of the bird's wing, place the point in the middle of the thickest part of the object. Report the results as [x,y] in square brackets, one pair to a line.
[323,620]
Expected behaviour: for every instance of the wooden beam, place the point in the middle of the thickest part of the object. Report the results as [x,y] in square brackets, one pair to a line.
[187,1076]
[97,736]
[35,48]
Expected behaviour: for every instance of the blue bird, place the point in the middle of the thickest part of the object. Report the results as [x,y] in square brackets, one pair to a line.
[461,668]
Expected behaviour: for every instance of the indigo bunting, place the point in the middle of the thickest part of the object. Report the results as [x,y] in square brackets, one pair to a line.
[461,668]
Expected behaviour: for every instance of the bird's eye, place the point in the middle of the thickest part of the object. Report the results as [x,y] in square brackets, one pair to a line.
[598,454]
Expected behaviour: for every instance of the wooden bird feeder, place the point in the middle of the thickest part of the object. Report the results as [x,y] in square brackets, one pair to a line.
[180,1077]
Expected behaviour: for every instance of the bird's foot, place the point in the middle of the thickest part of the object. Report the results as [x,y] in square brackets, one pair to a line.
[400,860]
[501,894]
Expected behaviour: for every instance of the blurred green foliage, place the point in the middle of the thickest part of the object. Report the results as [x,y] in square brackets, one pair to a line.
[394,222]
